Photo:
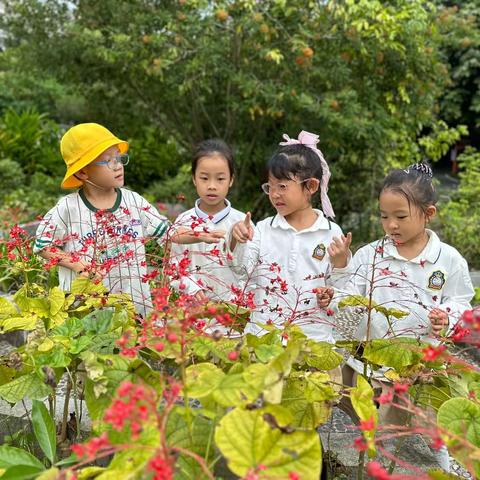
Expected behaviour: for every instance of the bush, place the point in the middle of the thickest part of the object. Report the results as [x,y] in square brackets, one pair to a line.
[461,215]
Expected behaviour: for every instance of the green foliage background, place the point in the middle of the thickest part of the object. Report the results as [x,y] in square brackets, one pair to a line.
[383,83]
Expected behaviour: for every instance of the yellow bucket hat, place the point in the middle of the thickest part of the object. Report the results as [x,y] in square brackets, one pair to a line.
[81,145]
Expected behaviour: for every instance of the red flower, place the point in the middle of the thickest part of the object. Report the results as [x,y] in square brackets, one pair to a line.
[375,470]
[367,425]
[431,353]
[360,444]
[385,397]
[401,387]
[233,356]
[293,476]
[437,443]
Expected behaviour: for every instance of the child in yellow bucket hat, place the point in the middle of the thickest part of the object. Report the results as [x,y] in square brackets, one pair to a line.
[100,229]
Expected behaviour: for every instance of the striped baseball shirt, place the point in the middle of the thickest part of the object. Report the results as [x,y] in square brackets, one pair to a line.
[113,238]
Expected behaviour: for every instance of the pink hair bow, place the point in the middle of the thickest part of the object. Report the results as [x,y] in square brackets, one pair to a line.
[310,140]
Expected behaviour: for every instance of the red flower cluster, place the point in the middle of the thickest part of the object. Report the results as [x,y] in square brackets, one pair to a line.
[91,448]
[134,406]
[161,468]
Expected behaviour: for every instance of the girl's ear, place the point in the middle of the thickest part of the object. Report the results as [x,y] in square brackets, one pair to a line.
[430,212]
[193,180]
[313,185]
[231,181]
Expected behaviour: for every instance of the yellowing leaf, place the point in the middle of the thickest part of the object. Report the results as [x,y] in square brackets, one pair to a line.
[246,440]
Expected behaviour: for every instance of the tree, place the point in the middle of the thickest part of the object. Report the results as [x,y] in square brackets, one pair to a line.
[365,75]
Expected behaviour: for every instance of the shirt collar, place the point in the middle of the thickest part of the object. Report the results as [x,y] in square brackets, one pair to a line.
[218,217]
[321,223]
[430,253]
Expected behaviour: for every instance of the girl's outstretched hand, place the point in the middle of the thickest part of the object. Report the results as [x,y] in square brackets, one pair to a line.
[324,296]
[439,320]
[242,231]
[339,250]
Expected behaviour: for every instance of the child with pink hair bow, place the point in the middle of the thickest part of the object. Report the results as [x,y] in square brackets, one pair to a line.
[286,256]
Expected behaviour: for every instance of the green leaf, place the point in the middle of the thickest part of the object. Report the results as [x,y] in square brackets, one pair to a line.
[12,456]
[266,352]
[361,301]
[202,379]
[192,435]
[44,428]
[305,414]
[322,355]
[461,417]
[22,472]
[50,474]
[7,308]
[82,285]
[26,321]
[27,385]
[56,297]
[234,390]
[362,402]
[246,440]
[99,321]
[396,352]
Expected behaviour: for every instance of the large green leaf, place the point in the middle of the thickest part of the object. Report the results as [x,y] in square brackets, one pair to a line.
[12,456]
[247,441]
[461,417]
[361,301]
[44,428]
[396,352]
[29,385]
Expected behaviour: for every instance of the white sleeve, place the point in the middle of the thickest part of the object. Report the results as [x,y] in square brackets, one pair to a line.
[154,224]
[243,260]
[457,293]
[52,230]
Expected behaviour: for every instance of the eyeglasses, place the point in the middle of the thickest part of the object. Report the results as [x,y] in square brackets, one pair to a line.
[113,162]
[279,187]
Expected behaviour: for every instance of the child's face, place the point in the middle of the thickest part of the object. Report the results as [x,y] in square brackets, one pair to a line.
[290,196]
[212,180]
[103,175]
[402,222]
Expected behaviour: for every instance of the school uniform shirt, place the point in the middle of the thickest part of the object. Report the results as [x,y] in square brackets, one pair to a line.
[113,237]
[283,266]
[209,270]
[437,277]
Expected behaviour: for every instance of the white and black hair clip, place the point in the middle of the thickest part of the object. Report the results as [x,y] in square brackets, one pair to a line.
[420,167]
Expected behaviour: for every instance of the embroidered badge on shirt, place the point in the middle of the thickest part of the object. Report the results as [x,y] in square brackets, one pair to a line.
[319,251]
[436,280]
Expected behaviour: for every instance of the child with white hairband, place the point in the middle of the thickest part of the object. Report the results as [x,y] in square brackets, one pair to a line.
[285,256]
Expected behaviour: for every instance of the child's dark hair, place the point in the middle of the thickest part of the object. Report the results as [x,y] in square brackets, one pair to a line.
[414,183]
[210,147]
[295,161]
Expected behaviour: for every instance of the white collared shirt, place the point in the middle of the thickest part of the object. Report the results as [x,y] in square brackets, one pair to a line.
[437,277]
[278,252]
[208,271]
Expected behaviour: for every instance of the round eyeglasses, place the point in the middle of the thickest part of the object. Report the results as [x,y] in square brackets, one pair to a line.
[113,162]
[279,187]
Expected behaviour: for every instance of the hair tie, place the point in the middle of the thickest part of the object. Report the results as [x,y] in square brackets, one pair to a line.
[310,140]
[420,167]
